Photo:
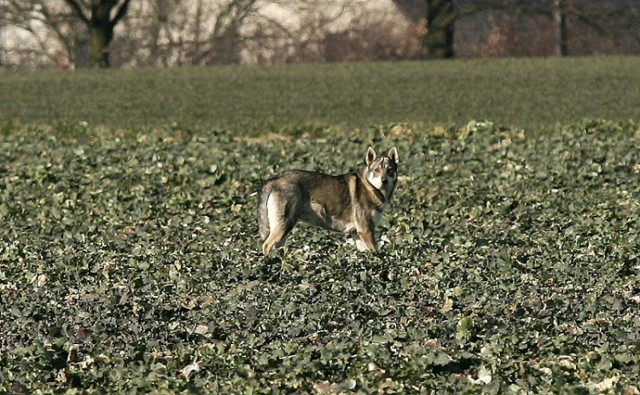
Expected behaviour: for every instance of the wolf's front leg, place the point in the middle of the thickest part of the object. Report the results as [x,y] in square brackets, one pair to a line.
[360,245]
[365,240]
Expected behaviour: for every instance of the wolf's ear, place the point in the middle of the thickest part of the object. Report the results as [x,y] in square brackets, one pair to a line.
[371,155]
[393,155]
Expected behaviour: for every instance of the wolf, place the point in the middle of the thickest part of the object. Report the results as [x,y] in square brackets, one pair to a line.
[351,203]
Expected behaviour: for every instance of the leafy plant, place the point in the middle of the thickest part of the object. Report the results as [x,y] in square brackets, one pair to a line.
[131,263]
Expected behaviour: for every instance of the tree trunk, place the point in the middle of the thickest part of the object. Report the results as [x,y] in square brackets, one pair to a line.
[562,35]
[441,18]
[100,39]
[100,25]
[101,33]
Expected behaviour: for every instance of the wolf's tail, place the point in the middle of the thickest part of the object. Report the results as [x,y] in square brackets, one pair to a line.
[263,213]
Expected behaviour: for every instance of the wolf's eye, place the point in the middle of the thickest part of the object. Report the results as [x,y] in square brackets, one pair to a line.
[377,170]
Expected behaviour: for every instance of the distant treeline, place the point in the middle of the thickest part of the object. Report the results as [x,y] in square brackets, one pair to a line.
[165,33]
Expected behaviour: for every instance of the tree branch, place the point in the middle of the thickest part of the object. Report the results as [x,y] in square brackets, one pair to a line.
[54,22]
[122,11]
[75,6]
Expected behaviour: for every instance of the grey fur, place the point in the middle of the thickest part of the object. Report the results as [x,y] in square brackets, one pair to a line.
[350,203]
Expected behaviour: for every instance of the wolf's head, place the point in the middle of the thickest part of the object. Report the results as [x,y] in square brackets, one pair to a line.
[382,171]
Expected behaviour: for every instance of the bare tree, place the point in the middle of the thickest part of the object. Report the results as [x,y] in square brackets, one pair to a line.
[571,17]
[156,32]
[441,18]
[79,33]
[559,16]
[604,18]
[73,25]
[339,30]
[100,18]
[203,32]
[44,24]
[198,32]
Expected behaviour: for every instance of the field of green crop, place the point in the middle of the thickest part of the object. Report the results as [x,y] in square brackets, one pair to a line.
[130,260]
[510,264]
[536,94]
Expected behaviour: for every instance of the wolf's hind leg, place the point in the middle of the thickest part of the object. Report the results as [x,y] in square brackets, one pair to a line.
[275,239]
[263,216]
[280,222]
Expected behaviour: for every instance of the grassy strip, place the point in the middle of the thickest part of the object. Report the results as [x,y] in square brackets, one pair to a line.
[530,93]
